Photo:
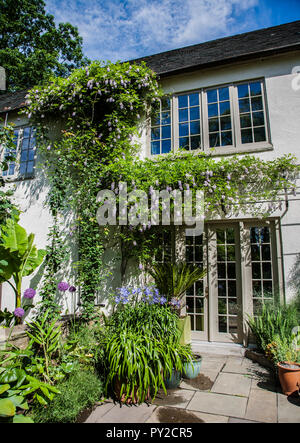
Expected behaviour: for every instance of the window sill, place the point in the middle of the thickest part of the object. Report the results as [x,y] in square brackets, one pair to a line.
[16,179]
[222,151]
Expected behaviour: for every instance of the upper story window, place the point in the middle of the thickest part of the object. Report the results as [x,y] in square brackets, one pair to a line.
[24,152]
[220,120]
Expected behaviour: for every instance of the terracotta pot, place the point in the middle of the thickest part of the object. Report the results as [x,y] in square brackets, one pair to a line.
[289,377]
[132,399]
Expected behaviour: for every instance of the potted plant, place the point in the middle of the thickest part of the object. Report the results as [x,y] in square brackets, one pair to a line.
[287,362]
[172,281]
[191,369]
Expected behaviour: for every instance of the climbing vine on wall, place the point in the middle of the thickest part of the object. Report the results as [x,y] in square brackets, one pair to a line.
[88,126]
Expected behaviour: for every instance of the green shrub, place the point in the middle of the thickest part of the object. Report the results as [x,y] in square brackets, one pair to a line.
[273,322]
[80,391]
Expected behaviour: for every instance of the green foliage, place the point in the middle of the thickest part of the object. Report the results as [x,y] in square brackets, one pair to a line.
[272,321]
[19,257]
[33,47]
[80,391]
[281,349]
[174,279]
[148,319]
[47,336]
[138,363]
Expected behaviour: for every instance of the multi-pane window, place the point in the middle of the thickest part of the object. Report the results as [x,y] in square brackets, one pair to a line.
[25,144]
[261,264]
[189,121]
[251,109]
[161,129]
[221,118]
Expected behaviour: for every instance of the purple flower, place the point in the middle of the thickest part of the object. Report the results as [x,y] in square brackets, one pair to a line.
[29,293]
[72,289]
[19,312]
[62,286]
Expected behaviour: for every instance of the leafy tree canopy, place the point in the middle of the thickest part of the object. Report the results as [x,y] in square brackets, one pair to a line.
[32,46]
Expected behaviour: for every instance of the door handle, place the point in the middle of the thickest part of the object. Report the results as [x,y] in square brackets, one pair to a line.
[206,292]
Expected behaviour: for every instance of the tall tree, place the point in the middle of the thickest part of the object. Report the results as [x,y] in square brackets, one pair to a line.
[32,46]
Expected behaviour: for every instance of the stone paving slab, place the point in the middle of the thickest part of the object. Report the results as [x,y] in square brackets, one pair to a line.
[123,414]
[162,412]
[99,412]
[288,409]
[209,374]
[178,398]
[232,384]
[262,406]
[212,364]
[219,404]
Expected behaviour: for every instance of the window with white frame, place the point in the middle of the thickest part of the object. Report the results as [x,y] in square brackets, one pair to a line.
[24,153]
[222,119]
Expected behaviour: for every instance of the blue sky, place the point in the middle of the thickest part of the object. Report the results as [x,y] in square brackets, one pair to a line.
[126,29]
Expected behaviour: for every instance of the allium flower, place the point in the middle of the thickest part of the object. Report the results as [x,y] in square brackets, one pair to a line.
[29,293]
[19,312]
[62,286]
[72,289]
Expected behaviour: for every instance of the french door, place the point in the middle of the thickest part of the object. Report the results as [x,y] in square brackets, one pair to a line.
[242,272]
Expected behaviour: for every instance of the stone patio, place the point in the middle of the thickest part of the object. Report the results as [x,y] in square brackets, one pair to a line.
[230,389]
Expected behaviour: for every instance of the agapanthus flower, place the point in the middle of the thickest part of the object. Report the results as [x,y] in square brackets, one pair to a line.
[19,312]
[175,302]
[29,293]
[62,286]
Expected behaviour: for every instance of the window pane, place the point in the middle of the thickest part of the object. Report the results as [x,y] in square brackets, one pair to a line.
[165,146]
[212,96]
[225,123]
[224,108]
[226,138]
[165,118]
[256,103]
[214,140]
[259,134]
[166,131]
[183,129]
[155,133]
[247,136]
[165,103]
[184,142]
[258,118]
[194,113]
[213,110]
[213,124]
[194,99]
[195,142]
[243,91]
[182,101]
[255,88]
[155,148]
[245,121]
[195,127]
[183,115]
[223,94]
[244,105]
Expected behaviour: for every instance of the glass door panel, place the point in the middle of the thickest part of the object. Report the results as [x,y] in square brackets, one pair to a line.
[196,300]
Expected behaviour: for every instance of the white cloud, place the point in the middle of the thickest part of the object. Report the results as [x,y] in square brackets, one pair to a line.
[127,29]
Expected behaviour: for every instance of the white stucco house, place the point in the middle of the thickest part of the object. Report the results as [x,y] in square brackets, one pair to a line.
[239,95]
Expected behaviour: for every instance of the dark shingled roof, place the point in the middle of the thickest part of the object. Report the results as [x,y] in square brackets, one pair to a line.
[264,42]
[12,101]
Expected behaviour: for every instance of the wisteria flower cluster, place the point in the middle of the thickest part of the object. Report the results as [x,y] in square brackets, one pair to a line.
[64,286]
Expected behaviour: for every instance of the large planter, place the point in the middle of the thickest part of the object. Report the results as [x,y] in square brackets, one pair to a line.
[174,381]
[184,326]
[192,369]
[289,377]
[134,399]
